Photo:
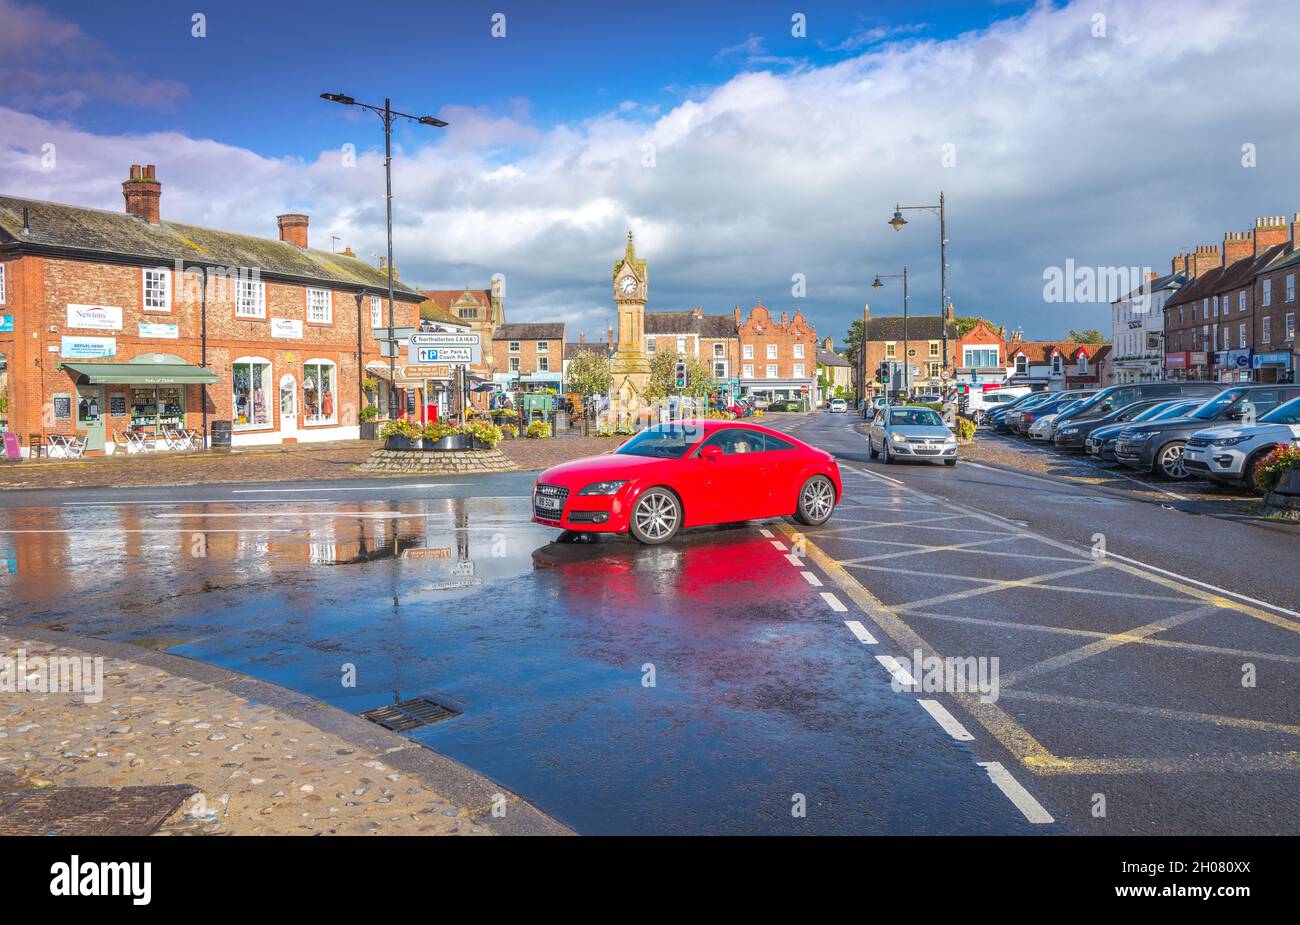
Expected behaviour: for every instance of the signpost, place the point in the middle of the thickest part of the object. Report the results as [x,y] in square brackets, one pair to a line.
[456,349]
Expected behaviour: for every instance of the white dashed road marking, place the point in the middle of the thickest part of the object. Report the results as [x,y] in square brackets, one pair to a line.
[856,627]
[777,544]
[766,532]
[901,674]
[812,579]
[836,604]
[1017,794]
[946,720]
[794,560]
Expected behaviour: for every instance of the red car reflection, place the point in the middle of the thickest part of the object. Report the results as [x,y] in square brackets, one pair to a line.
[687,474]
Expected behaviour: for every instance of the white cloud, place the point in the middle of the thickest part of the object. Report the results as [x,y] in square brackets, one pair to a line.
[1114,151]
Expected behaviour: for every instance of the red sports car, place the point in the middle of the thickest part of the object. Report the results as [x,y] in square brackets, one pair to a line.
[686,474]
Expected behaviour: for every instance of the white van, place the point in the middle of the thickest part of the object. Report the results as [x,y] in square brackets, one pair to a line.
[980,404]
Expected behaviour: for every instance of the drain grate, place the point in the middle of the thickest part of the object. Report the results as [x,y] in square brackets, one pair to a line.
[419,711]
[90,810]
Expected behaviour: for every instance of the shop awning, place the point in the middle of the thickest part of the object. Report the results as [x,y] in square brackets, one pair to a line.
[140,374]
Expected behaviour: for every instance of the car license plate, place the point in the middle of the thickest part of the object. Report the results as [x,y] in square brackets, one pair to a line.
[551,504]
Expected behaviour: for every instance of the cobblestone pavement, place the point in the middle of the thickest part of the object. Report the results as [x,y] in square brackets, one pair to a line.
[258,770]
[291,462]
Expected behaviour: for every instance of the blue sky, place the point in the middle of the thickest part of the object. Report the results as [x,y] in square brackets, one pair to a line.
[1104,132]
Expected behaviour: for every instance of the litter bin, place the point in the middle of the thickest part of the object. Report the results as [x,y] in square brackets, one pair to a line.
[219,435]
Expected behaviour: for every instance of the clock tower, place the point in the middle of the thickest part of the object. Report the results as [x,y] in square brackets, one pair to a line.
[631,368]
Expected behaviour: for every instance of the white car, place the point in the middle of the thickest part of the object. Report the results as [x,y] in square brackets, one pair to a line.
[1041,429]
[1229,453]
[839,406]
[980,404]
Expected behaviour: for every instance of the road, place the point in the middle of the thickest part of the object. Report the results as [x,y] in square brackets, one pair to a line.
[739,679]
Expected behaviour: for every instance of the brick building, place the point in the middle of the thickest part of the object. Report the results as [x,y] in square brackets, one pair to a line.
[482,310]
[1213,324]
[1057,365]
[921,344]
[529,354]
[778,359]
[713,339]
[1276,348]
[109,332]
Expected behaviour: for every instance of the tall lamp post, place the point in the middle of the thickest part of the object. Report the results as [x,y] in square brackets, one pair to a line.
[897,223]
[907,363]
[387,113]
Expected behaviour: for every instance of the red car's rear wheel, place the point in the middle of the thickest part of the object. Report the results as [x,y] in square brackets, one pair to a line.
[656,517]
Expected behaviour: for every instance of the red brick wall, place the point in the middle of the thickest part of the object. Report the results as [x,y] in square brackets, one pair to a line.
[760,329]
[528,354]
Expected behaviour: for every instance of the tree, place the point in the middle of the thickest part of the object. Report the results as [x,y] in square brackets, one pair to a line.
[1087,336]
[852,341]
[589,374]
[966,324]
[663,377]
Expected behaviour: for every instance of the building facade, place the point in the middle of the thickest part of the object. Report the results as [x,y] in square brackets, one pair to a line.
[711,339]
[122,325]
[528,355]
[1138,327]
[919,342]
[778,359]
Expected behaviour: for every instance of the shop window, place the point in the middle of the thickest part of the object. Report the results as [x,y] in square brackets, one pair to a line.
[157,289]
[318,392]
[249,382]
[157,407]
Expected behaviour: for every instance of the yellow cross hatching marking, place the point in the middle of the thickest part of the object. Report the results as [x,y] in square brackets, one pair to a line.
[1010,733]
[953,547]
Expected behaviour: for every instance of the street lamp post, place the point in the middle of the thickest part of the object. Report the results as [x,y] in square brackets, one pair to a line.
[897,223]
[907,363]
[387,114]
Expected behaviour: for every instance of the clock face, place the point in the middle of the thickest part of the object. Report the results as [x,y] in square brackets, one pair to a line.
[627,285]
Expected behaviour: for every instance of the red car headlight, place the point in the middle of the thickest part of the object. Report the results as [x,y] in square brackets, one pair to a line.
[603,488]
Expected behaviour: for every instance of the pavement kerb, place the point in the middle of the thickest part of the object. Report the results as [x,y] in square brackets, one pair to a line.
[464,787]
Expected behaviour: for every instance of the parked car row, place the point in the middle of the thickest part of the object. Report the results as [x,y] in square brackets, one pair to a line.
[1218,430]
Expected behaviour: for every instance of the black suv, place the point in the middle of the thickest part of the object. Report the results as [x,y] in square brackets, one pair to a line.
[1158,446]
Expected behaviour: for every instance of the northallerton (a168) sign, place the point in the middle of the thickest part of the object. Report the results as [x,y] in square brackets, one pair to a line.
[457,349]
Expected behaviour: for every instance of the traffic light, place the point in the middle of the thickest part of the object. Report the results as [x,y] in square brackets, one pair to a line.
[680,375]
[885,374]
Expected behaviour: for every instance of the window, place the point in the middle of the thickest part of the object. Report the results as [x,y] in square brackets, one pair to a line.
[934,348]
[543,364]
[717,350]
[1082,364]
[749,351]
[157,289]
[514,364]
[1241,301]
[891,348]
[932,370]
[719,370]
[982,357]
[543,346]
[1227,337]
[250,298]
[771,371]
[1056,365]
[1266,332]
[250,379]
[1205,308]
[1290,287]
[1288,327]
[649,345]
[468,312]
[1241,335]
[798,351]
[1022,365]
[320,306]
[771,351]
[681,345]
[514,346]
[748,370]
[798,370]
[376,312]
[318,388]
[1268,294]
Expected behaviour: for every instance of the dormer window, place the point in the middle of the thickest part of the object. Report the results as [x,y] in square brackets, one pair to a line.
[1022,365]
[1057,367]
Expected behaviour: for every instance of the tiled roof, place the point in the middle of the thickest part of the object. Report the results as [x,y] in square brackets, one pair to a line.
[715,326]
[919,327]
[432,311]
[1225,279]
[831,358]
[536,330]
[1168,281]
[122,236]
[1040,352]
[573,348]
[445,298]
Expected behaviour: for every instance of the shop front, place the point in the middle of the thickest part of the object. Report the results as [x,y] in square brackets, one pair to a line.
[1274,367]
[1187,365]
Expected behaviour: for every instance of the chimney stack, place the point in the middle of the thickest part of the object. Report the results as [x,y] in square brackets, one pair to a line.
[1204,258]
[142,193]
[582,337]
[611,335]
[293,228]
[735,313]
[697,312]
[1269,231]
[866,313]
[1237,245]
[784,319]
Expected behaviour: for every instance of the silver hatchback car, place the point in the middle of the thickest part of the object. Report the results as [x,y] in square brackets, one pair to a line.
[911,432]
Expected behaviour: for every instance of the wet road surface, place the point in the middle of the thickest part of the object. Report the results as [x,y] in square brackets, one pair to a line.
[710,686]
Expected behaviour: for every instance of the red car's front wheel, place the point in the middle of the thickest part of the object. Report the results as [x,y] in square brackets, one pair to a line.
[816,501]
[656,517]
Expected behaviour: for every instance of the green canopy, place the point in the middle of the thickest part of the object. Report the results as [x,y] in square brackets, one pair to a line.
[140,374]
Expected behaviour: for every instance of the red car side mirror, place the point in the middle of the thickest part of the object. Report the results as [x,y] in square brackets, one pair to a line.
[711,453]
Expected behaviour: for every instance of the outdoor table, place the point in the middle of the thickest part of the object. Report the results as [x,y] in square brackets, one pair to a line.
[63,446]
[140,441]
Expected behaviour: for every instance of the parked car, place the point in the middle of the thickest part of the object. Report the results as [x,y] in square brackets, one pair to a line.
[1158,446]
[1021,419]
[927,398]
[785,404]
[1101,442]
[997,419]
[838,406]
[1074,432]
[980,404]
[1117,396]
[1229,454]
[912,432]
[686,474]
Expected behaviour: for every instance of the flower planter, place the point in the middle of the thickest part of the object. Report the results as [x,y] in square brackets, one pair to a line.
[1288,482]
[368,429]
[451,442]
[402,443]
